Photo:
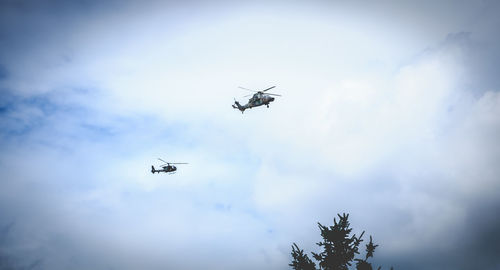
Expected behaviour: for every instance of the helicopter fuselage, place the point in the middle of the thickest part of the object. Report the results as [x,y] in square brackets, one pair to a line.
[259,99]
[166,169]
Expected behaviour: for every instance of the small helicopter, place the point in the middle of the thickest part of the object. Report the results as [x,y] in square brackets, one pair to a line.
[167,168]
[258,99]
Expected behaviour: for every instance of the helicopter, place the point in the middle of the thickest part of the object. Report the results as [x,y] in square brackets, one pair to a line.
[258,99]
[167,168]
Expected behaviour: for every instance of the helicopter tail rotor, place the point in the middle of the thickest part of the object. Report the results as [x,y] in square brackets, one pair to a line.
[153,169]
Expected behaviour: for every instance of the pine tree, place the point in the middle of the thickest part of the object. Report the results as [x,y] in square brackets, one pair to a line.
[339,249]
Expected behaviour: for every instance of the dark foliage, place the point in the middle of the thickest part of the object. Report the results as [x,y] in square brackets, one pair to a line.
[339,249]
[300,260]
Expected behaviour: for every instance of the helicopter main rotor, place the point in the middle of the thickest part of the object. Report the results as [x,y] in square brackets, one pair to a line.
[257,91]
[172,162]
[267,89]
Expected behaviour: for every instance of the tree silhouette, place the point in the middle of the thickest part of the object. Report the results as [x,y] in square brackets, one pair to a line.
[363,264]
[339,249]
[300,260]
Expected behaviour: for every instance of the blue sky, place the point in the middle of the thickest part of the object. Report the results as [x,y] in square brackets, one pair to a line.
[390,111]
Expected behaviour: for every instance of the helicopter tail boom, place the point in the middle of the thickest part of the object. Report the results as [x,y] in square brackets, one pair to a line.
[238,106]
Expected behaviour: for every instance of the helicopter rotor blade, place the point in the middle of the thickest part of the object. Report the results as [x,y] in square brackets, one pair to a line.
[247,89]
[172,162]
[268,88]
[273,94]
[248,95]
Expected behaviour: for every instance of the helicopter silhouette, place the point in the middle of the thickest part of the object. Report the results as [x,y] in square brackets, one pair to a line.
[166,168]
[258,99]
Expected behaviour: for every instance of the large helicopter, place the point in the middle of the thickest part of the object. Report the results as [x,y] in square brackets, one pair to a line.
[258,99]
[167,168]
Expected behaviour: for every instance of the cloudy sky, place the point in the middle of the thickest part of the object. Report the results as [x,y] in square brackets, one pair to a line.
[390,111]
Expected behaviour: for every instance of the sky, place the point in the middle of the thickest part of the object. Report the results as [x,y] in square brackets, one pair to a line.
[390,111]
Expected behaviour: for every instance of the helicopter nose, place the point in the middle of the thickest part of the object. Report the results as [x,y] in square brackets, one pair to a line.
[271,99]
